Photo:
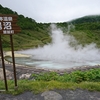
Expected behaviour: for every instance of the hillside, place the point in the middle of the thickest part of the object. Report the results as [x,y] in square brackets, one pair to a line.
[33,34]
[90,29]
[87,29]
[88,19]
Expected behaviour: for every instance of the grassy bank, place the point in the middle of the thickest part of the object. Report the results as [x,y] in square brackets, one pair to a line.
[89,80]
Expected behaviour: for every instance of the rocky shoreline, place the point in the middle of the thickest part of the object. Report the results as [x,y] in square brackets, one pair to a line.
[24,72]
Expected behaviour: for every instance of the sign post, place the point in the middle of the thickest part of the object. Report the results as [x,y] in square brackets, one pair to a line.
[8,26]
[3,65]
[13,60]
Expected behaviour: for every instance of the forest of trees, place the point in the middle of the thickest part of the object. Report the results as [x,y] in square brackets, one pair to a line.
[87,23]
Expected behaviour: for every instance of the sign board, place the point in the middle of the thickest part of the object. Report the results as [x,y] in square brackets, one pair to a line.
[8,24]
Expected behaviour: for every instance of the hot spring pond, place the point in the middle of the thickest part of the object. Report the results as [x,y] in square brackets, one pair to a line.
[50,64]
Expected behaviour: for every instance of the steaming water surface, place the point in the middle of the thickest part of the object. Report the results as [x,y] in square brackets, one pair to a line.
[51,64]
[59,54]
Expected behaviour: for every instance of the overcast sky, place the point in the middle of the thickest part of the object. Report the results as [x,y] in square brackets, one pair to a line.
[53,10]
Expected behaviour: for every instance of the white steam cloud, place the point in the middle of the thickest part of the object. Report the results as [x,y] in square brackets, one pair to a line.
[60,50]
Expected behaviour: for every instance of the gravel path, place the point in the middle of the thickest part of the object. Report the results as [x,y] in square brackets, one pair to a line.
[55,95]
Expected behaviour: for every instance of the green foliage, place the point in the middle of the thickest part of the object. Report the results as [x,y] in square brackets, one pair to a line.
[46,76]
[92,75]
[88,26]
[86,19]
[87,23]
[6,10]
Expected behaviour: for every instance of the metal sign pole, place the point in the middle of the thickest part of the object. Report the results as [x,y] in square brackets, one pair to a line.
[3,65]
[13,60]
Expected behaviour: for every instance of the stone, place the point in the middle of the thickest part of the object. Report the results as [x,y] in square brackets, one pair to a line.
[51,95]
[8,74]
[25,76]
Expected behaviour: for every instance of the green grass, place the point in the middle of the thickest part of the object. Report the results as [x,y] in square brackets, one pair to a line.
[89,80]
[41,86]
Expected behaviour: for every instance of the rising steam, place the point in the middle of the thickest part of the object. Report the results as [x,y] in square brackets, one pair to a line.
[60,50]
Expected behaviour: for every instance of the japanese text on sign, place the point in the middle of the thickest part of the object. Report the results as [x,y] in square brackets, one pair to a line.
[6,25]
[5,18]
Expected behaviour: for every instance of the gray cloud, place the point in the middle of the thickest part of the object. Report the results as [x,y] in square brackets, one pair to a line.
[53,10]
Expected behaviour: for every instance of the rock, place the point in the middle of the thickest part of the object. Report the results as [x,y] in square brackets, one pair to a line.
[25,76]
[8,74]
[51,95]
